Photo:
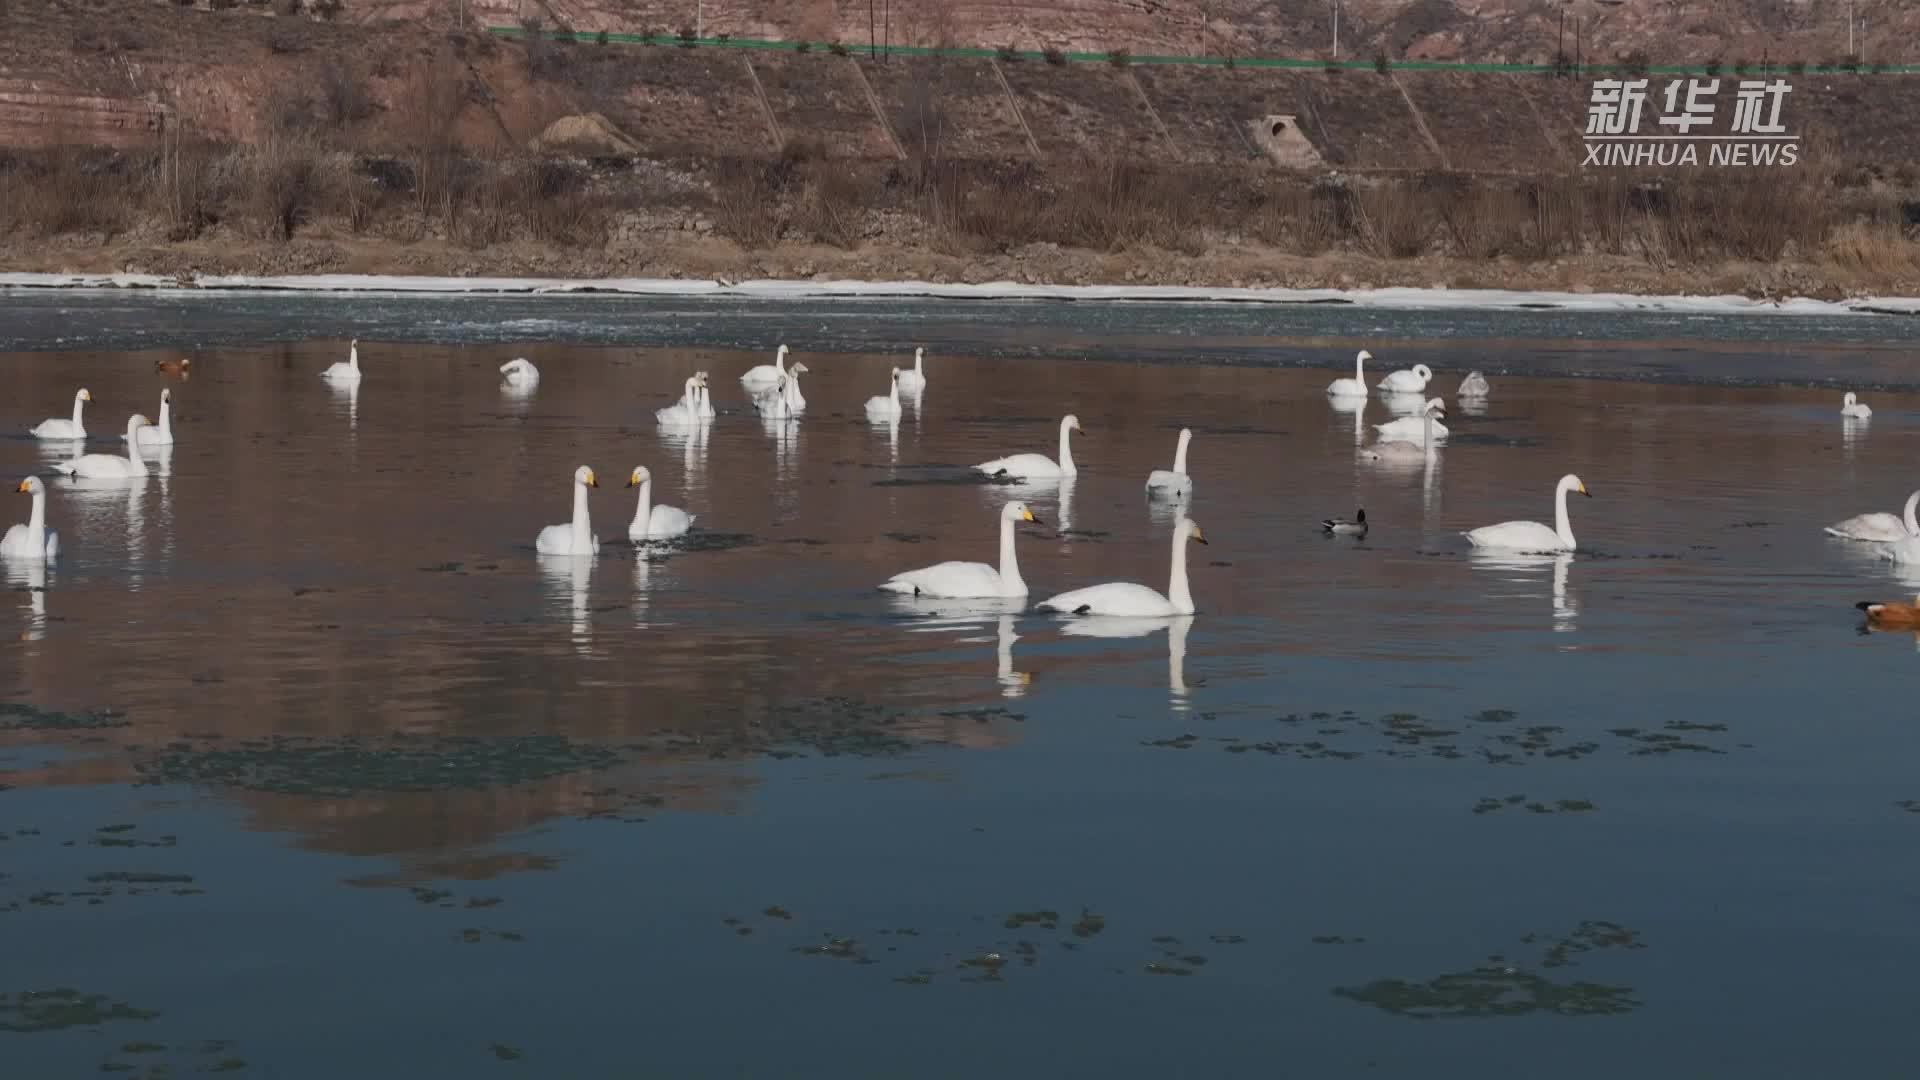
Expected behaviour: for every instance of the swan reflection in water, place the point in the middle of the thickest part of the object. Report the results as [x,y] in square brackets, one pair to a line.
[347,394]
[101,506]
[1853,434]
[567,578]
[1530,569]
[1408,403]
[940,616]
[1114,626]
[890,425]
[30,575]
[1355,407]
[691,441]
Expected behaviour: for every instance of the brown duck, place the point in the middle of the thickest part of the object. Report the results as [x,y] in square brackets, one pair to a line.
[1892,614]
[182,367]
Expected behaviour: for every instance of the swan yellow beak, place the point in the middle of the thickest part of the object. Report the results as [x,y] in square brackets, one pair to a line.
[26,486]
[634,480]
[1584,491]
[592,480]
[86,395]
[1198,536]
[1025,515]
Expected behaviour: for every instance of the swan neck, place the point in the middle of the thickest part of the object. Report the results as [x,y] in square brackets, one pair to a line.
[1177,592]
[1066,449]
[1180,455]
[1357,373]
[643,512]
[1561,525]
[894,394]
[37,518]
[353,357]
[166,418]
[582,524]
[136,465]
[1009,564]
[79,403]
[1913,526]
[919,361]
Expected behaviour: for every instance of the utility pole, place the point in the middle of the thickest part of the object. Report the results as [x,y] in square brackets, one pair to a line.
[1336,29]
[700,18]
[1850,51]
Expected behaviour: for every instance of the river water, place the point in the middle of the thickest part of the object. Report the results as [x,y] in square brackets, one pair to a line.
[310,767]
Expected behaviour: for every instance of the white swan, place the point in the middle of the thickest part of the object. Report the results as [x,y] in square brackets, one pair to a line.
[914,379]
[1355,387]
[1473,386]
[1531,536]
[686,411]
[962,580]
[111,466]
[653,521]
[1411,428]
[348,371]
[888,406]
[56,428]
[162,435]
[762,376]
[1407,380]
[1038,466]
[1174,483]
[520,372]
[32,540]
[1904,552]
[1399,450]
[1879,527]
[784,401]
[705,408]
[1126,598]
[575,537]
[1851,407]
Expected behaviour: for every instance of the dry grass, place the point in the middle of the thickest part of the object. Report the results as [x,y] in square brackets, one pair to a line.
[301,176]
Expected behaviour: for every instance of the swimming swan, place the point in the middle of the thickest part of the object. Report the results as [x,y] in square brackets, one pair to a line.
[1356,386]
[914,379]
[887,407]
[576,537]
[56,428]
[1126,598]
[1407,381]
[1473,386]
[349,371]
[1879,527]
[706,396]
[162,435]
[964,580]
[1402,451]
[111,466]
[1174,483]
[1851,407]
[763,376]
[1531,536]
[1038,466]
[519,372]
[1416,428]
[32,540]
[654,522]
[783,402]
[686,411]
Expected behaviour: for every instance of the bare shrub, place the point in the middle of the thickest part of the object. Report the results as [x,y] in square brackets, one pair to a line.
[343,97]
[1391,220]
[745,206]
[287,184]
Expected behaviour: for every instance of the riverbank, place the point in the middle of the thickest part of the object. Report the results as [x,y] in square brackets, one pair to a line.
[700,263]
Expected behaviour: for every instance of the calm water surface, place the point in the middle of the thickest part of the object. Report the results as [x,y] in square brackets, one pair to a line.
[309,767]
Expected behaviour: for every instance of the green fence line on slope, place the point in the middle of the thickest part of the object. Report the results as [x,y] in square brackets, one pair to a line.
[774,45]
